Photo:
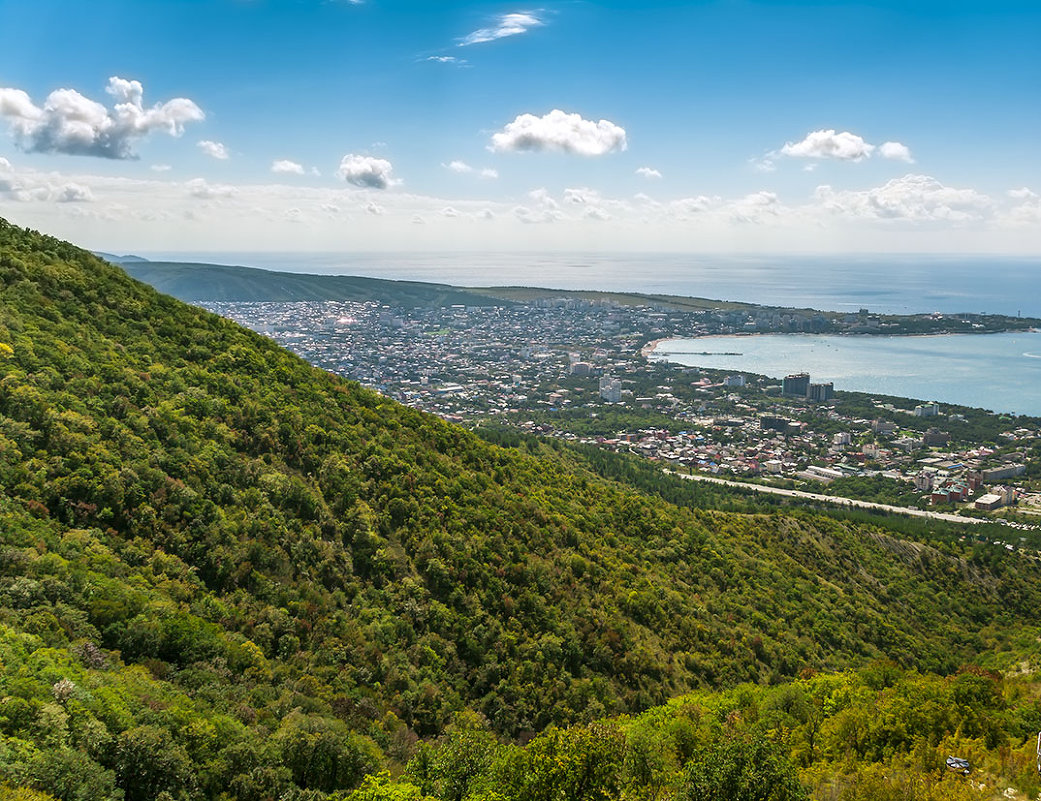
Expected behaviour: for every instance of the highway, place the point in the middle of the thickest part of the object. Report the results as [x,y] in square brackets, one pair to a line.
[814,496]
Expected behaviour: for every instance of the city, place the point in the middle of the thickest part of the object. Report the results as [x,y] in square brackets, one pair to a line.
[584,371]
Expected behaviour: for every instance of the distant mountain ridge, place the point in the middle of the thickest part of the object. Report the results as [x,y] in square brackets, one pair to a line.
[195,283]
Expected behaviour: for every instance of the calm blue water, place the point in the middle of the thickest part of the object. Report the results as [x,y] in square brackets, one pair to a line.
[888,284]
[1001,372]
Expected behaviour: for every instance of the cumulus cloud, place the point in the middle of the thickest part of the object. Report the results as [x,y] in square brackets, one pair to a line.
[489,173]
[648,172]
[366,171]
[827,144]
[561,132]
[74,193]
[841,146]
[1023,193]
[448,211]
[912,197]
[285,166]
[374,208]
[215,150]
[506,25]
[73,124]
[895,151]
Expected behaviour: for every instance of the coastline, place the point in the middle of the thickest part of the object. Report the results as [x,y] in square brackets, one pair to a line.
[650,347]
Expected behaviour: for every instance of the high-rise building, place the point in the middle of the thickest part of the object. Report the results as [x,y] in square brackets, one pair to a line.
[820,392]
[796,385]
[610,389]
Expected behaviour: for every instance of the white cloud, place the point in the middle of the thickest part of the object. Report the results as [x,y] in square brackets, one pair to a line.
[648,172]
[462,168]
[366,171]
[215,150]
[29,187]
[1027,212]
[581,197]
[543,198]
[561,132]
[74,193]
[287,167]
[912,197]
[447,60]
[458,166]
[507,25]
[448,211]
[895,151]
[374,208]
[827,144]
[200,188]
[161,168]
[72,124]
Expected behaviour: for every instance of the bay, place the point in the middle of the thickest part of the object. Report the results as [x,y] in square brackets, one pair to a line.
[1000,372]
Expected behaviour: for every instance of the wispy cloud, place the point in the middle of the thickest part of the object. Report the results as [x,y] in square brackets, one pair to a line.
[447,60]
[648,172]
[462,168]
[73,124]
[506,25]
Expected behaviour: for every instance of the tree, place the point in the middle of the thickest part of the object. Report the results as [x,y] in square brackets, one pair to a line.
[738,769]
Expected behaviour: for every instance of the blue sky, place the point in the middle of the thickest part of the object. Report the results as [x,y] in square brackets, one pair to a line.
[391,125]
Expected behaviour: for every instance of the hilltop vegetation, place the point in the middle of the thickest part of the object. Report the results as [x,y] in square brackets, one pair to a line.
[223,571]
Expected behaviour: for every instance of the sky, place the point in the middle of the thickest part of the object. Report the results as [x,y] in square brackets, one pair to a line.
[385,125]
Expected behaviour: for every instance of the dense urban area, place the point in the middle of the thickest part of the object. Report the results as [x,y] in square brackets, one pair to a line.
[584,371]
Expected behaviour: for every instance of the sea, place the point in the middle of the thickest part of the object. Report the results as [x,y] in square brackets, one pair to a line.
[1001,372]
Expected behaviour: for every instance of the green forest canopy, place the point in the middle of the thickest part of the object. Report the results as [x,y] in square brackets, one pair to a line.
[225,571]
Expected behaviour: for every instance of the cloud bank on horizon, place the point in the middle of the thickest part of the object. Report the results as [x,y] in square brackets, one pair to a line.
[545,136]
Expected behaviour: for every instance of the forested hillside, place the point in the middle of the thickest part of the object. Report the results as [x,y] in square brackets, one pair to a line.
[219,282]
[225,571]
